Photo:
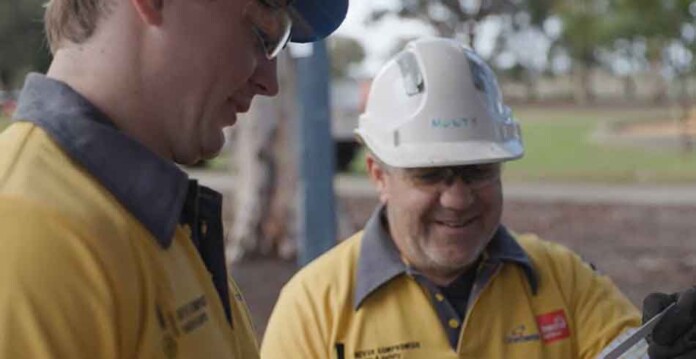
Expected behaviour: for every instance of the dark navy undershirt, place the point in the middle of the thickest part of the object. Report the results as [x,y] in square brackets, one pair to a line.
[458,292]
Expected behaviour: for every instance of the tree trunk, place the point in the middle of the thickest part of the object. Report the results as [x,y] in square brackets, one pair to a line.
[255,178]
[630,88]
[685,119]
[263,209]
[583,91]
[660,92]
[530,84]
[280,229]
[471,32]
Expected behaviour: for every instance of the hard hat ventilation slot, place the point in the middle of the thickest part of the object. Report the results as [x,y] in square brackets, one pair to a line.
[411,74]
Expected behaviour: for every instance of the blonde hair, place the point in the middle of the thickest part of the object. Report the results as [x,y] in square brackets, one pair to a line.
[72,20]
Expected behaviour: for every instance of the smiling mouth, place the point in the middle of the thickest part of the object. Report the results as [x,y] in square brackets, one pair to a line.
[457,223]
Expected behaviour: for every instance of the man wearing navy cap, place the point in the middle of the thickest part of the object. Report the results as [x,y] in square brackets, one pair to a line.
[109,250]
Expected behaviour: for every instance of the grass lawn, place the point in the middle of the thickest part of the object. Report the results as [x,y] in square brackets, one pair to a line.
[559,147]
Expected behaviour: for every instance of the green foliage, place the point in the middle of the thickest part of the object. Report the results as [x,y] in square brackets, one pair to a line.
[649,18]
[451,17]
[585,28]
[656,22]
[22,45]
[538,10]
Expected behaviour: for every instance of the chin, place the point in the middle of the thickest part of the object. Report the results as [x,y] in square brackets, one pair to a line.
[191,158]
[209,155]
[212,148]
[186,160]
[457,258]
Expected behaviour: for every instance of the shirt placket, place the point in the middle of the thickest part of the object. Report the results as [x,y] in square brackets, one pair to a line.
[202,213]
[449,318]
[486,272]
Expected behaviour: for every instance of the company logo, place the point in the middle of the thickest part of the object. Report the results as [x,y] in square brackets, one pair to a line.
[461,122]
[519,335]
[553,326]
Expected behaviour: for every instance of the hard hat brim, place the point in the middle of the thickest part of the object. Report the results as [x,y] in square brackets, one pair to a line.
[445,154]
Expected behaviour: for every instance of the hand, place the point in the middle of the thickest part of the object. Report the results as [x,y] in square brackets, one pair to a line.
[674,336]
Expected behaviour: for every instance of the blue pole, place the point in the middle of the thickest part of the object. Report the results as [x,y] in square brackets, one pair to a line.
[316,215]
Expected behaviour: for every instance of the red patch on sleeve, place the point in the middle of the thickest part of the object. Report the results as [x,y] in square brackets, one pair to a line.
[553,326]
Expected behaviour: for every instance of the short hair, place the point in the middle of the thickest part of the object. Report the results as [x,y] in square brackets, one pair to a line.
[72,20]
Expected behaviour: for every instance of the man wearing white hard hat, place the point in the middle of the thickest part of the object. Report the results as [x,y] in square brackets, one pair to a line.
[434,274]
[109,250]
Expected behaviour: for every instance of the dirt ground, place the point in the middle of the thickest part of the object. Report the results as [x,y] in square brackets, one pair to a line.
[670,128]
[643,248]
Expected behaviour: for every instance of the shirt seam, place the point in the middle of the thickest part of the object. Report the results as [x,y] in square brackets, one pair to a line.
[16,158]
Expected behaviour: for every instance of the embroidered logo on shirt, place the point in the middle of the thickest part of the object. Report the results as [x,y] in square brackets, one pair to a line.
[169,333]
[553,326]
[193,314]
[387,352]
[519,335]
[184,320]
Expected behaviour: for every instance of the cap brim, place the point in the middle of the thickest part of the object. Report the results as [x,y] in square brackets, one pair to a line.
[314,20]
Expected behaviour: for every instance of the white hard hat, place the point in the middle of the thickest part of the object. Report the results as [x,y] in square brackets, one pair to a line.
[435,104]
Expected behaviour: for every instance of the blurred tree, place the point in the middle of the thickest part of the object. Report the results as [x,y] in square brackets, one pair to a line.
[653,26]
[460,19]
[585,29]
[345,52]
[22,44]
[450,18]
[682,62]
[668,31]
[525,38]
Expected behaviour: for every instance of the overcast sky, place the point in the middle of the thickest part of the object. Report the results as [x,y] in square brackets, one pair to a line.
[379,39]
[526,47]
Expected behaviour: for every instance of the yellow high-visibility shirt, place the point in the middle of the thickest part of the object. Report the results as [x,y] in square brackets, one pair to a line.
[94,261]
[530,299]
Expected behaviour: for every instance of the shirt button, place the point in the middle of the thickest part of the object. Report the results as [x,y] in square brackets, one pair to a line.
[204,228]
[439,297]
[453,323]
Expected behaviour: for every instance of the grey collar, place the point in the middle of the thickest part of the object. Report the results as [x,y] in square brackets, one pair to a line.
[151,188]
[379,261]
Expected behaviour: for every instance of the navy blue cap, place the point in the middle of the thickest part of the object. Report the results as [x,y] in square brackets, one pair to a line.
[314,20]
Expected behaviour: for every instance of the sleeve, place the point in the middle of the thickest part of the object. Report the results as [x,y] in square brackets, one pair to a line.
[296,328]
[55,301]
[600,311]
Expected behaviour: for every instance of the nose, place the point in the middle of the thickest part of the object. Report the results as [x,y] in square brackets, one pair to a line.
[457,195]
[264,80]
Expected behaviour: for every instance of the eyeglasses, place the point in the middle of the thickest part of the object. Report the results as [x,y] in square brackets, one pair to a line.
[475,176]
[271,23]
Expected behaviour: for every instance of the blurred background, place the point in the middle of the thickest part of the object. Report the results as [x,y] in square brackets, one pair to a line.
[604,90]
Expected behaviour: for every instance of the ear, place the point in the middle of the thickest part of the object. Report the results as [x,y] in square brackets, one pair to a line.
[150,11]
[378,176]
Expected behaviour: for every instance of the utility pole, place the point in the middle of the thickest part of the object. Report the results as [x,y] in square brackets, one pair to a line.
[316,214]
